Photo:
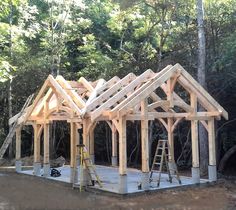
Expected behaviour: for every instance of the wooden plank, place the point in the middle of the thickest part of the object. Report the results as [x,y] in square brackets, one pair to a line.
[108,93]
[122,147]
[140,95]
[72,93]
[211,140]
[144,137]
[18,143]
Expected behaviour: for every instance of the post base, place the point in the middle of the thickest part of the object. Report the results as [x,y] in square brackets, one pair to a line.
[123,185]
[73,175]
[145,181]
[212,173]
[92,158]
[37,169]
[114,161]
[196,175]
[18,165]
[46,169]
[172,166]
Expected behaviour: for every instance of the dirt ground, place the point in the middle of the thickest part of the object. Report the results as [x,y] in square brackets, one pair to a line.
[27,192]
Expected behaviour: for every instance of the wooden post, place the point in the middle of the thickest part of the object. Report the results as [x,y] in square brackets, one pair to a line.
[18,143]
[122,156]
[72,149]
[144,146]
[37,163]
[46,165]
[91,143]
[114,146]
[170,139]
[212,172]
[18,163]
[36,143]
[195,146]
[86,134]
[144,137]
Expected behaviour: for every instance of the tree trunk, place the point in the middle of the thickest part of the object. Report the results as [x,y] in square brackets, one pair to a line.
[201,74]
[10,151]
[226,157]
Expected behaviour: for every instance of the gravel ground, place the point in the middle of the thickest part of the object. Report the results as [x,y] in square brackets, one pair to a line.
[28,192]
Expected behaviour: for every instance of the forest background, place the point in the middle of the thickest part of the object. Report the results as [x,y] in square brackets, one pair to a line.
[103,38]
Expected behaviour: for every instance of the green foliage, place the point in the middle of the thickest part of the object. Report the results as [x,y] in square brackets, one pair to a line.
[100,39]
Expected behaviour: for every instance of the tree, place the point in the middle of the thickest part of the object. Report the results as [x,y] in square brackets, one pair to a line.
[201,75]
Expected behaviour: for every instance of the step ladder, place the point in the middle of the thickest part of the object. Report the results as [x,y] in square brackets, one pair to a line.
[12,130]
[86,163]
[160,159]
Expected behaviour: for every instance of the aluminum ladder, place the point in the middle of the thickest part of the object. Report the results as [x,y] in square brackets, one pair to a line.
[161,158]
[12,130]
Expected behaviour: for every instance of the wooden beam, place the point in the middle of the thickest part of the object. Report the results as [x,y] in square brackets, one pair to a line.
[202,94]
[38,97]
[72,93]
[95,91]
[204,123]
[86,84]
[163,123]
[123,92]
[137,82]
[176,123]
[211,139]
[170,97]
[122,147]
[108,84]
[64,94]
[140,95]
[161,103]
[203,115]
[39,107]
[111,91]
[144,137]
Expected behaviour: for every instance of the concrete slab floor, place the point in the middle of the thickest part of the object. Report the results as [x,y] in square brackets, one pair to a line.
[110,178]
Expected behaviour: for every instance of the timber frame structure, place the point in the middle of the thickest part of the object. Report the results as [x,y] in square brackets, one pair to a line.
[82,104]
